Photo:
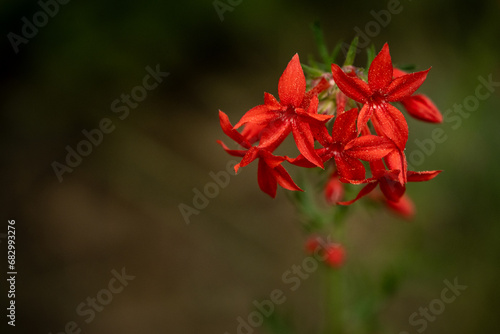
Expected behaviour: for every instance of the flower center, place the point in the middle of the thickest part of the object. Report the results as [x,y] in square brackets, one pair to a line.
[378,98]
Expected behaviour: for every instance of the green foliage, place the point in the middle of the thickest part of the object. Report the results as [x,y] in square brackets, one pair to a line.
[370,55]
[351,53]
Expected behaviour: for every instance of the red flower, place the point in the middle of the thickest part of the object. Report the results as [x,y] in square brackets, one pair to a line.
[420,106]
[389,182]
[377,94]
[346,148]
[270,172]
[296,112]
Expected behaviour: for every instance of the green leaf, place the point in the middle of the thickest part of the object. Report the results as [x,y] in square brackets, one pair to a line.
[351,53]
[312,71]
[312,62]
[370,55]
[407,67]
[335,52]
[320,42]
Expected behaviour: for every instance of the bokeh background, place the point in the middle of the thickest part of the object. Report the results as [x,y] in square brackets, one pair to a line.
[119,207]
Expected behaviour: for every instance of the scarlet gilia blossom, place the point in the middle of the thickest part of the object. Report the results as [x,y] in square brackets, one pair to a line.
[378,93]
[388,180]
[270,173]
[270,123]
[296,112]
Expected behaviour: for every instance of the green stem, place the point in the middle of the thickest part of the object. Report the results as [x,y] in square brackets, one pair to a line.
[333,301]
[333,280]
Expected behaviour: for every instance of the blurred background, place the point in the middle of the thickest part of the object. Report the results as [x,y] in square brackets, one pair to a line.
[117,210]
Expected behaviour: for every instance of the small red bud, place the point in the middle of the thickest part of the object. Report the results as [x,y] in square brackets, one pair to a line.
[334,255]
[334,190]
[312,244]
[404,207]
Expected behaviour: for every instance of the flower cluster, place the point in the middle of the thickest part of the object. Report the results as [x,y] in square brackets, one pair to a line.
[367,131]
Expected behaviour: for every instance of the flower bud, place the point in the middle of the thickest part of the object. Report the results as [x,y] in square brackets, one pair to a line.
[312,244]
[404,207]
[334,189]
[421,107]
[334,255]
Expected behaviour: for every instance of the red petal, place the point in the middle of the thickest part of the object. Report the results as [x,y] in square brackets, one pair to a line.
[271,102]
[312,112]
[364,116]
[405,85]
[353,87]
[380,72]
[320,133]
[390,122]
[301,161]
[313,117]
[235,153]
[320,87]
[284,179]
[362,193]
[421,107]
[344,127]
[292,84]
[274,134]
[396,72]
[251,155]
[369,148]
[258,115]
[396,160]
[267,181]
[349,168]
[231,132]
[392,190]
[252,132]
[305,142]
[313,106]
[378,170]
[422,176]
[341,99]
[270,159]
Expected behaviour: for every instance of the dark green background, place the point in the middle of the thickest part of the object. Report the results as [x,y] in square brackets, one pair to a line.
[119,208]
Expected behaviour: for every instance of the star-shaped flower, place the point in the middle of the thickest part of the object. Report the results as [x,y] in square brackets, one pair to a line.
[296,112]
[377,94]
[389,183]
[270,172]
